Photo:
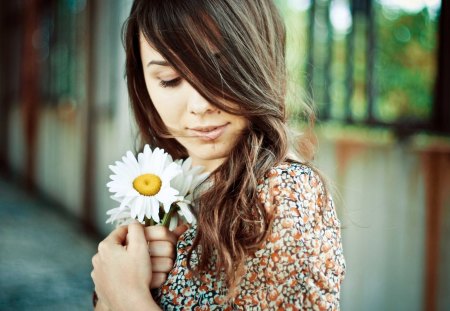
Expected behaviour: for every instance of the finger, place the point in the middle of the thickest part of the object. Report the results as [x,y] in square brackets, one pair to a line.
[94,260]
[101,306]
[136,236]
[178,231]
[93,276]
[118,236]
[160,233]
[161,249]
[158,279]
[162,264]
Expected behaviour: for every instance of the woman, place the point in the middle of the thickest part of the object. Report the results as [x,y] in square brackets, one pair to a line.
[207,79]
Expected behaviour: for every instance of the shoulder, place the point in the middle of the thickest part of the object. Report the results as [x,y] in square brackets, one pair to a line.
[289,179]
[292,173]
[301,257]
[295,189]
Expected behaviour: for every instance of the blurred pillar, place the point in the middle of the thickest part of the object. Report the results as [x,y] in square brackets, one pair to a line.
[88,214]
[30,95]
[6,16]
[442,100]
[436,168]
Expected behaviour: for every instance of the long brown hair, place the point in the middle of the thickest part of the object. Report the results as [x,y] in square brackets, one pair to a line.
[229,51]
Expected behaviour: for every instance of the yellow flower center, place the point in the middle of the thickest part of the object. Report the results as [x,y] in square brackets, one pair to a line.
[147,184]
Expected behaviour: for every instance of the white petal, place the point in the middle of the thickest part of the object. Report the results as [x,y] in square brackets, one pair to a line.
[147,149]
[198,180]
[173,222]
[186,212]
[158,161]
[129,198]
[167,206]
[120,188]
[125,170]
[145,159]
[116,198]
[148,208]
[187,164]
[139,205]
[166,196]
[187,185]
[141,162]
[170,172]
[113,214]
[131,162]
[167,192]
[118,216]
[155,209]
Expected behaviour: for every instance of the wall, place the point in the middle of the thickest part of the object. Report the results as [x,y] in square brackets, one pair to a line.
[380,194]
[381,184]
[61,156]
[381,199]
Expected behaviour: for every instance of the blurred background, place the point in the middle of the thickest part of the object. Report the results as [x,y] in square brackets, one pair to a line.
[378,72]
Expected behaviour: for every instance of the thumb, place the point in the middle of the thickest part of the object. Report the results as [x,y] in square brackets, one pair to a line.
[118,236]
[136,236]
[180,230]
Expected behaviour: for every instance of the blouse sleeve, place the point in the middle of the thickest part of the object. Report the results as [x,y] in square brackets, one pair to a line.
[303,258]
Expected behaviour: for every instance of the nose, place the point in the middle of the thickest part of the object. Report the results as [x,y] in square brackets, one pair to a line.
[198,105]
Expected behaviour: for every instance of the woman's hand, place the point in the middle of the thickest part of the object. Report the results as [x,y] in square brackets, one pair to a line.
[122,270]
[161,245]
[100,306]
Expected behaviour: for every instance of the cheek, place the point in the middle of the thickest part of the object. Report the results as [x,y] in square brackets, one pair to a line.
[165,112]
[168,107]
[241,123]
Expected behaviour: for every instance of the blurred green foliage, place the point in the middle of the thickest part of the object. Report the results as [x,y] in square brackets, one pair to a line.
[404,69]
[406,64]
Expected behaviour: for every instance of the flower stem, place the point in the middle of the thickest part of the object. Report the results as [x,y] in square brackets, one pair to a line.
[166,219]
[149,222]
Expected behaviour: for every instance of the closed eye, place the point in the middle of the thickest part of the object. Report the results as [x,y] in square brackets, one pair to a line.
[170,83]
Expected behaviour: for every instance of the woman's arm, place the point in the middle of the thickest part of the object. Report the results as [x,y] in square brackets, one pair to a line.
[302,257]
[122,271]
[100,306]
[310,231]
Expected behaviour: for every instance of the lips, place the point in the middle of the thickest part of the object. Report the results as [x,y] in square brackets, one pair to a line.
[211,132]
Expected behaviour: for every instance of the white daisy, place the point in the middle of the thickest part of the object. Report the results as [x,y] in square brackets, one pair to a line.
[119,216]
[185,183]
[142,185]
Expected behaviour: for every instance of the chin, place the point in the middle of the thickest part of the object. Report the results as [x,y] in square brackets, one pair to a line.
[213,156]
[206,155]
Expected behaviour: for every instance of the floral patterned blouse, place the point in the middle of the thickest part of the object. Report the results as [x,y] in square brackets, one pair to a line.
[299,267]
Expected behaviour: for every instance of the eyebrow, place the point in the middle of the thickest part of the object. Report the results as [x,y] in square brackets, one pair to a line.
[165,63]
[158,62]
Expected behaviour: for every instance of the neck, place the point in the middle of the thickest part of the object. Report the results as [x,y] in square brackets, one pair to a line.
[209,165]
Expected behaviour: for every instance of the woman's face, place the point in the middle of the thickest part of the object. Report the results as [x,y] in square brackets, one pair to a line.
[207,133]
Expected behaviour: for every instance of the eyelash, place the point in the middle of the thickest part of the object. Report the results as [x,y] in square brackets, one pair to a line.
[170,83]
